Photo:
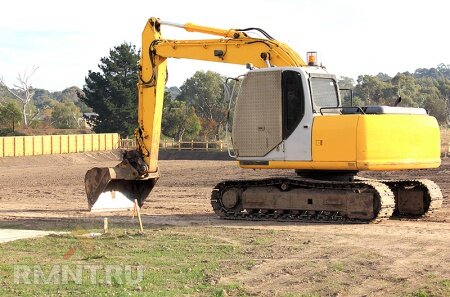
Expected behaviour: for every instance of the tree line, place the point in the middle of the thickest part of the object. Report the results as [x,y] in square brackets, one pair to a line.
[23,106]
[197,109]
[426,87]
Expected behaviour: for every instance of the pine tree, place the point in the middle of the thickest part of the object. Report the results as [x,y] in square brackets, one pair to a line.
[112,92]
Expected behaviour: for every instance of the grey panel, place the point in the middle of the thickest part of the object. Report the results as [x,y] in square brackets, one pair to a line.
[257,124]
[394,110]
[383,110]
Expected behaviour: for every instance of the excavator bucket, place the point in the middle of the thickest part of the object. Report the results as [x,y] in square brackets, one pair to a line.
[116,188]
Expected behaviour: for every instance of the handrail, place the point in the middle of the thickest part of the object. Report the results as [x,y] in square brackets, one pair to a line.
[359,108]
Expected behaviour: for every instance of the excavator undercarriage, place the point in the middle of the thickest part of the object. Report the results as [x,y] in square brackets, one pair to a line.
[308,200]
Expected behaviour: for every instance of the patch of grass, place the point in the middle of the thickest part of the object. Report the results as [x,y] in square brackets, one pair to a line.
[257,240]
[446,283]
[420,293]
[174,263]
[337,266]
[438,288]
[229,290]
[301,295]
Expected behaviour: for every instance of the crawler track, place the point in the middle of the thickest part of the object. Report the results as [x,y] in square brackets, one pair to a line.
[382,208]
[414,198]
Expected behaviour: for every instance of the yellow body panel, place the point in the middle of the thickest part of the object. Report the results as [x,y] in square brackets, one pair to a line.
[369,142]
[334,138]
[398,142]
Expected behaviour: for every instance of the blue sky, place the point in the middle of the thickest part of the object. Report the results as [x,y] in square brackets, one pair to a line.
[66,39]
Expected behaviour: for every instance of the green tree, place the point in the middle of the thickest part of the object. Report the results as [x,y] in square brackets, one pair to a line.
[41,98]
[65,115]
[384,77]
[204,91]
[112,92]
[174,91]
[405,85]
[371,89]
[68,94]
[10,115]
[437,108]
[180,121]
[168,98]
[346,82]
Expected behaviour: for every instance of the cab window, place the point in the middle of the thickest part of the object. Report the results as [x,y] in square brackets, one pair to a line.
[293,101]
[324,92]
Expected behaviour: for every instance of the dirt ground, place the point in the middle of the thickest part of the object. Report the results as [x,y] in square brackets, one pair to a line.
[48,192]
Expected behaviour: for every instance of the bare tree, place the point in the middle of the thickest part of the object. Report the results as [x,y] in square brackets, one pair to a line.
[23,92]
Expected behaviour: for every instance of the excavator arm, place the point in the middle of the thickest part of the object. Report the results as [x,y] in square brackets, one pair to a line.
[135,177]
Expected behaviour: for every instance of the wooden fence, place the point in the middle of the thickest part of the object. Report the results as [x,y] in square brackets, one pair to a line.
[16,146]
[217,146]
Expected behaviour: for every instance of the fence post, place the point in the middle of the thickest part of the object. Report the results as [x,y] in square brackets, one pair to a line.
[207,146]
[221,146]
[192,144]
[179,145]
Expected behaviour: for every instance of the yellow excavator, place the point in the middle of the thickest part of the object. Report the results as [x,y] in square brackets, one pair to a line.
[288,115]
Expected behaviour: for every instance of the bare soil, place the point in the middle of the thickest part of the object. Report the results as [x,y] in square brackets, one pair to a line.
[388,258]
